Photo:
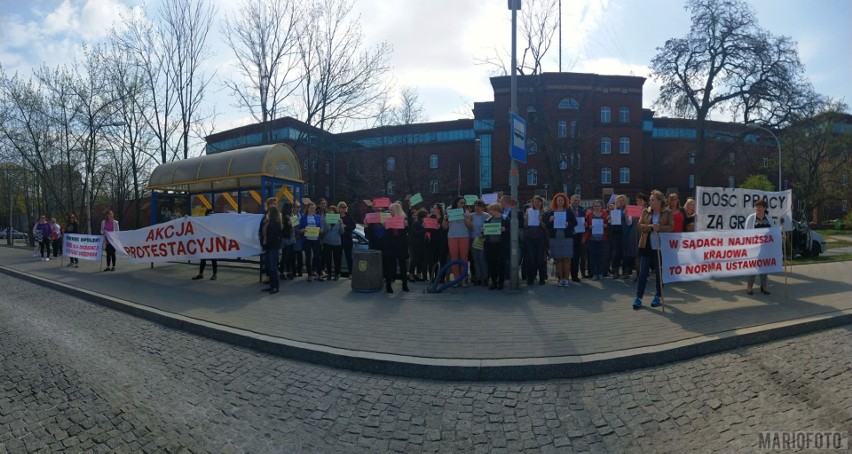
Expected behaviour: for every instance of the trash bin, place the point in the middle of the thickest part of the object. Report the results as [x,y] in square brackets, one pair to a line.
[837,224]
[367,273]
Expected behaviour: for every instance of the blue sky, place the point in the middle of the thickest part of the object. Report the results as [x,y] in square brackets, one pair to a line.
[436,41]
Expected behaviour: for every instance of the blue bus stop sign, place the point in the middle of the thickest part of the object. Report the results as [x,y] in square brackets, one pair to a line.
[518,138]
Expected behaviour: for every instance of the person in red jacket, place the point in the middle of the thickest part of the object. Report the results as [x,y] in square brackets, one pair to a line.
[597,234]
[677,211]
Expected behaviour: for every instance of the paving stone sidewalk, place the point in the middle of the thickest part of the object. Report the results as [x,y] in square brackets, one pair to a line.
[593,317]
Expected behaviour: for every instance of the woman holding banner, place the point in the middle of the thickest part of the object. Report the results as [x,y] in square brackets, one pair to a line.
[203,264]
[73,227]
[332,245]
[758,220]
[109,225]
[597,225]
[655,219]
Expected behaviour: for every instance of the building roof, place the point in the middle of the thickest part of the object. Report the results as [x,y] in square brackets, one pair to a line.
[234,169]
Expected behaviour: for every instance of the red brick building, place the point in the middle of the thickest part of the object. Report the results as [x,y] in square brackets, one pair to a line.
[587,134]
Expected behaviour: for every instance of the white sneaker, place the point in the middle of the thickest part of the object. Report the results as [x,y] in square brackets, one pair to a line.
[567,283]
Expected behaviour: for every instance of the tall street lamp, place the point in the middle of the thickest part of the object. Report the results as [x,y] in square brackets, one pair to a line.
[777,142]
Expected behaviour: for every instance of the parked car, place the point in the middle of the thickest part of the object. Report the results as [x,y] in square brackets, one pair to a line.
[806,242]
[16,235]
[359,239]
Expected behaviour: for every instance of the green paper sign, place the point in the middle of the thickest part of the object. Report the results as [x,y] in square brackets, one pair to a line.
[332,218]
[470,199]
[456,214]
[492,228]
[415,199]
[385,215]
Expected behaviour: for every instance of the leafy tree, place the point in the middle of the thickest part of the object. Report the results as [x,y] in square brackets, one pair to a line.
[759,182]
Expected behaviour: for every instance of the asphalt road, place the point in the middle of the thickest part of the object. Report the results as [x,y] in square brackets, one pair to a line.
[78,377]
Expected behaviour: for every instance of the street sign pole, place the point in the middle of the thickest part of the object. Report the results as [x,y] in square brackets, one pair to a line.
[514,256]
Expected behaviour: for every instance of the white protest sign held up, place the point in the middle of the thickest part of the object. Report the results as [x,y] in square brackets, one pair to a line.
[79,246]
[720,253]
[728,208]
[218,236]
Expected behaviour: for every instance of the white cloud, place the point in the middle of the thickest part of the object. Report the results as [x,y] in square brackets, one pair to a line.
[61,20]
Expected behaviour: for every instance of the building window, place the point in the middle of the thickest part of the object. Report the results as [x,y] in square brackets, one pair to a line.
[624,145]
[327,191]
[563,161]
[434,186]
[606,114]
[327,167]
[624,114]
[731,182]
[624,175]
[732,158]
[532,147]
[606,145]
[532,177]
[692,158]
[765,162]
[578,190]
[572,129]
[391,164]
[531,117]
[389,188]
[485,160]
[606,175]
[562,128]
[433,161]
[568,104]
[691,181]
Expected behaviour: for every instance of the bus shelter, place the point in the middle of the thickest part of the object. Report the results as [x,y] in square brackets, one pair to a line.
[237,181]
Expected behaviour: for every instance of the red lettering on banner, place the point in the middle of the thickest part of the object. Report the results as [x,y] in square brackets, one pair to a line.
[194,246]
[725,254]
[703,268]
[169,231]
[747,264]
[750,240]
[700,243]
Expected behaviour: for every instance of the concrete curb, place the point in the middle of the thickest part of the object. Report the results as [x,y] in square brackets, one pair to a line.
[462,369]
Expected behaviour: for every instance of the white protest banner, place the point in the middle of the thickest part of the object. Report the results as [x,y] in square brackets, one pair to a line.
[218,236]
[720,253]
[86,247]
[728,208]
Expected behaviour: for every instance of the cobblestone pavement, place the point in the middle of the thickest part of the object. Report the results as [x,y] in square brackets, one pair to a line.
[78,377]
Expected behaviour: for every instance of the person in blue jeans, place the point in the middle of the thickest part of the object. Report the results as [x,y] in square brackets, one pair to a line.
[655,219]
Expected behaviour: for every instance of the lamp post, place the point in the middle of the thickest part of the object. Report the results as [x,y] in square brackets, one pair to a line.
[514,254]
[777,142]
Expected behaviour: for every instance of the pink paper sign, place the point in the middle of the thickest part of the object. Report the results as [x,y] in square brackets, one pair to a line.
[395,222]
[430,223]
[634,211]
[381,202]
[373,218]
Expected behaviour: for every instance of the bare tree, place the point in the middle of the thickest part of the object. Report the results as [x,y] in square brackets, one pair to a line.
[264,38]
[149,49]
[340,78]
[186,24]
[725,61]
[537,25]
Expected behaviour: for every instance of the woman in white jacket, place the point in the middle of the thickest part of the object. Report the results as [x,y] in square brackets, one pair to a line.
[758,220]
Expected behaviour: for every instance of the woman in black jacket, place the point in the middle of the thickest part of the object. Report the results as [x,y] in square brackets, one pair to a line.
[346,241]
[395,251]
[272,246]
[417,237]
